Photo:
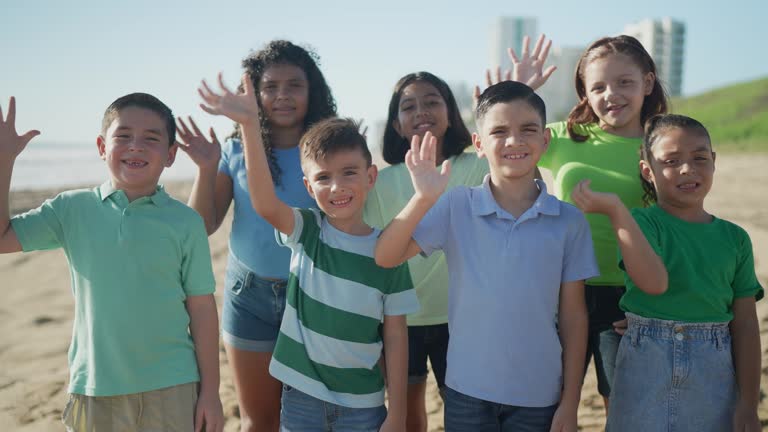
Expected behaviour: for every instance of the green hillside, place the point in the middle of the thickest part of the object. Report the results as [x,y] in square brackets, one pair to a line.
[736,116]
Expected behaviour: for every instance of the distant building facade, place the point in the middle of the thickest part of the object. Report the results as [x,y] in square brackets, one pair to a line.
[664,39]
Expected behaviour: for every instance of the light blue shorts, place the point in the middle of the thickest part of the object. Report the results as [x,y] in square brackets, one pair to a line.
[304,413]
[673,376]
[252,310]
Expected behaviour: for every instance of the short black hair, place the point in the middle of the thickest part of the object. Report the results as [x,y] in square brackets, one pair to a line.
[332,135]
[145,101]
[506,92]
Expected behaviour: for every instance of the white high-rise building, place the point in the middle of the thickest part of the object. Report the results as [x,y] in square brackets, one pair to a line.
[664,39]
[558,93]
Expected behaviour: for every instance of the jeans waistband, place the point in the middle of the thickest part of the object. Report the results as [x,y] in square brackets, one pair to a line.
[667,329]
[236,267]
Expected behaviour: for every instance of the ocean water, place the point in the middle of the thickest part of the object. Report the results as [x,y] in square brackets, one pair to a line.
[44,165]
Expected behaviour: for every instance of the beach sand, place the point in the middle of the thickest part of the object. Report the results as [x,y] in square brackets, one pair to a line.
[37,308]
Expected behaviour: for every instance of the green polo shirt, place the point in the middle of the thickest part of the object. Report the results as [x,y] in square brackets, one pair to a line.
[132,267]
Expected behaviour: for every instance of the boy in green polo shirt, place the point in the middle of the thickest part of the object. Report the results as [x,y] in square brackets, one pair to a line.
[145,330]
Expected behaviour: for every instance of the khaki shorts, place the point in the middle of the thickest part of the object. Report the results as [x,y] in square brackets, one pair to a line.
[170,409]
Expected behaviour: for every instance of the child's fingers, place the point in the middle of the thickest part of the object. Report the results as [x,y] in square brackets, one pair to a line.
[526,47]
[488,80]
[209,110]
[445,169]
[223,86]
[11,119]
[549,71]
[537,47]
[1,113]
[214,138]
[545,53]
[194,126]
[415,148]
[199,416]
[208,92]
[498,74]
[512,55]
[182,127]
[27,137]
[247,84]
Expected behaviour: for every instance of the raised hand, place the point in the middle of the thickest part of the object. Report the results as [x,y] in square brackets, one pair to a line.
[527,69]
[590,201]
[204,153]
[240,107]
[11,143]
[420,160]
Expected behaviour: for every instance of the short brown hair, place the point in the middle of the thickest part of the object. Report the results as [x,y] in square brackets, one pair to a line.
[145,101]
[330,136]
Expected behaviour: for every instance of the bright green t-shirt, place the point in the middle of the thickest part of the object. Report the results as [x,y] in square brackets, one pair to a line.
[612,163]
[132,266]
[709,265]
[392,192]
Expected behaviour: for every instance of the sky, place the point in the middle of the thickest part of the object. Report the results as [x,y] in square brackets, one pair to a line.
[66,61]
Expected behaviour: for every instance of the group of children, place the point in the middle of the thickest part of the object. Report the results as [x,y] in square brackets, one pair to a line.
[321,312]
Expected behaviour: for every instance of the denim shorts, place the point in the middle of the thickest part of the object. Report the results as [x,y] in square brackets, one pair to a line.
[673,376]
[253,309]
[305,413]
[602,341]
[465,413]
[424,342]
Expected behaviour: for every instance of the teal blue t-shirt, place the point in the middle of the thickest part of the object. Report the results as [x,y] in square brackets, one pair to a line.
[132,267]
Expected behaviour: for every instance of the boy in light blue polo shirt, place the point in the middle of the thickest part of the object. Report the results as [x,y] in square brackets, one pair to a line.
[144,351]
[517,259]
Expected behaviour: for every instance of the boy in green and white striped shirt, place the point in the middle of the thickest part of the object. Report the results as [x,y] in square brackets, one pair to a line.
[342,309]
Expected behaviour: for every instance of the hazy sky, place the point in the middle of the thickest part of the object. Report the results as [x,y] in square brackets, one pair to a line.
[65,61]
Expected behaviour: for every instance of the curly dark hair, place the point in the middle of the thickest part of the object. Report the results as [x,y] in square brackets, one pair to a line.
[654,103]
[457,137]
[321,104]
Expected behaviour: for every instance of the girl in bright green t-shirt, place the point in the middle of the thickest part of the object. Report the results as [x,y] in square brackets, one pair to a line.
[690,358]
[618,90]
[421,102]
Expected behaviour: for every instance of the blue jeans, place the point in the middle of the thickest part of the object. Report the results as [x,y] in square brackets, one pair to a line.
[304,413]
[252,309]
[673,376]
[468,414]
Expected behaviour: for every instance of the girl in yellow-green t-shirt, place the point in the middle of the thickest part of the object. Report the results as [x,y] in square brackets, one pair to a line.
[421,103]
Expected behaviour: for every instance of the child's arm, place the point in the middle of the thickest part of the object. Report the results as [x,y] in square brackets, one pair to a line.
[643,265]
[395,244]
[746,358]
[11,145]
[572,325]
[212,191]
[203,326]
[244,109]
[396,360]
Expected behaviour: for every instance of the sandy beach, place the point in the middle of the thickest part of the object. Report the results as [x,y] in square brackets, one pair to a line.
[37,307]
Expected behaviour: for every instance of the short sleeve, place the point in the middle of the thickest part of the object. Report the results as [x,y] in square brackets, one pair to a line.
[432,232]
[372,211]
[401,300]
[293,239]
[226,156]
[650,231]
[196,270]
[41,228]
[745,283]
[579,262]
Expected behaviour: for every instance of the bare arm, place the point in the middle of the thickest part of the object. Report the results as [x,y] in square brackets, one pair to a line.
[572,324]
[396,354]
[244,109]
[746,358]
[395,245]
[11,145]
[643,265]
[212,191]
[203,326]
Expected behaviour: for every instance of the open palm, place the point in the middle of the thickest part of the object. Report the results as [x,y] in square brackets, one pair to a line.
[420,160]
[204,153]
[240,107]
[11,143]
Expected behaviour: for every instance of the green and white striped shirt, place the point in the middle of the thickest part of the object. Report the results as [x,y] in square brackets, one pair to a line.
[330,338]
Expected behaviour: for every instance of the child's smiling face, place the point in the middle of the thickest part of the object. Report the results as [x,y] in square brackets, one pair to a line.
[136,148]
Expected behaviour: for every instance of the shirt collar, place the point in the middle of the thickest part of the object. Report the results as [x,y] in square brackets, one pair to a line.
[159,198]
[484,204]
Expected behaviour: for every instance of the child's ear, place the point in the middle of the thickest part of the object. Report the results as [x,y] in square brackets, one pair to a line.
[547,138]
[373,174]
[101,145]
[172,154]
[646,172]
[477,145]
[308,185]
[648,82]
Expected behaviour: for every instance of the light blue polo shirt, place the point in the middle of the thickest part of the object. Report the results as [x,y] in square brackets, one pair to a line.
[132,266]
[252,239]
[505,275]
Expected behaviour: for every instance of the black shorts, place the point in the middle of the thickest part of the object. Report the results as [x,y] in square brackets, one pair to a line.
[602,341]
[427,342]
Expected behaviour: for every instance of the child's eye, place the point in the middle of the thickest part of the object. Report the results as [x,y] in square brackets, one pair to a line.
[626,82]
[670,161]
[597,88]
[406,107]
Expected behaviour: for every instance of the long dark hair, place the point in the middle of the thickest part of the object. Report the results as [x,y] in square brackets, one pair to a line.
[457,137]
[321,104]
[654,103]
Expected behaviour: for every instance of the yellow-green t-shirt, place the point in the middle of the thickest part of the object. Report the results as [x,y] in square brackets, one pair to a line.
[612,163]
[430,275]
